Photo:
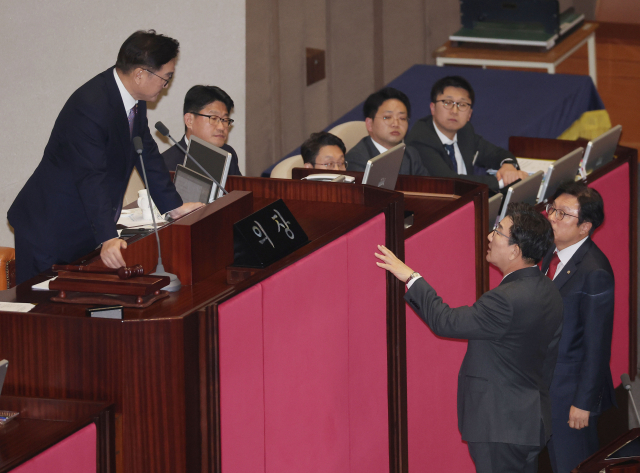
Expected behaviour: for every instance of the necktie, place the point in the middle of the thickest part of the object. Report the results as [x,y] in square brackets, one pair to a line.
[553,265]
[131,117]
[452,154]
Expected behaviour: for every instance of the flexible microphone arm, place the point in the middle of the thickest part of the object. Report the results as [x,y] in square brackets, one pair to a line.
[175,283]
[626,383]
[164,131]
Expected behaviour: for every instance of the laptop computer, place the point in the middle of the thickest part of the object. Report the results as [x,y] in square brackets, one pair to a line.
[192,186]
[523,191]
[5,416]
[564,169]
[382,171]
[215,160]
[600,151]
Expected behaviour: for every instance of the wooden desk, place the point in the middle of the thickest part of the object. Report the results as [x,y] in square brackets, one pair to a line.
[514,57]
[42,423]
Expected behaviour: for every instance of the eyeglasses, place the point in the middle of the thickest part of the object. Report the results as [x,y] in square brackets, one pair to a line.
[559,213]
[389,119]
[214,120]
[448,104]
[333,165]
[166,81]
[495,230]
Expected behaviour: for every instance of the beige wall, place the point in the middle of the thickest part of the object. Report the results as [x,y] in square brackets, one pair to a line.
[51,48]
[618,11]
[367,42]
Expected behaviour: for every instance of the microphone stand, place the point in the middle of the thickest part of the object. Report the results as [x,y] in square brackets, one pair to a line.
[626,383]
[174,283]
[164,131]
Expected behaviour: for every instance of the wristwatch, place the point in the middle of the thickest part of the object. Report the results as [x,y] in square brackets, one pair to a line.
[414,275]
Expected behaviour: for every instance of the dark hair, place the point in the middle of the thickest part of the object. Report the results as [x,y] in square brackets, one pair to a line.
[311,147]
[146,49]
[373,102]
[199,96]
[452,81]
[590,200]
[530,231]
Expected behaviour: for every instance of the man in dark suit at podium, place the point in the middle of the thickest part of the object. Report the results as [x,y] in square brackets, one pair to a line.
[582,386]
[71,203]
[206,112]
[387,114]
[504,410]
[449,146]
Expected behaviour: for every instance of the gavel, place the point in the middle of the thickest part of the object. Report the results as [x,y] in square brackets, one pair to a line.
[122,272]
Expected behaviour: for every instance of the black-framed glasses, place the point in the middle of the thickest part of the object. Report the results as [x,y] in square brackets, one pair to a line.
[559,213]
[166,81]
[389,119]
[333,165]
[448,104]
[214,119]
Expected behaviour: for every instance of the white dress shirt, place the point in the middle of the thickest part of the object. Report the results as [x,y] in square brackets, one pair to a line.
[462,169]
[128,101]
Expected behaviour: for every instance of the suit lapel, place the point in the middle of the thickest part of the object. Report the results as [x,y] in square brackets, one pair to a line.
[372,151]
[570,268]
[546,261]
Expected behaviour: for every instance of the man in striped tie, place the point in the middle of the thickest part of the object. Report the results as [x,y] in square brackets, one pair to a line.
[582,387]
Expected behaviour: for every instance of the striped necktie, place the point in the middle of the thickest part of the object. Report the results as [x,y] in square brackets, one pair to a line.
[452,154]
[131,117]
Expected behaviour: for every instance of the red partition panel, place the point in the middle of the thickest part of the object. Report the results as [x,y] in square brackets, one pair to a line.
[242,382]
[368,401]
[613,239]
[75,454]
[444,253]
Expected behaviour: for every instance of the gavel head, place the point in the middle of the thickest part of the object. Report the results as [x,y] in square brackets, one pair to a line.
[133,271]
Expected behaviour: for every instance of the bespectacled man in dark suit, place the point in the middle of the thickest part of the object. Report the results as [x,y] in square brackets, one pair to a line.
[504,410]
[71,203]
[582,386]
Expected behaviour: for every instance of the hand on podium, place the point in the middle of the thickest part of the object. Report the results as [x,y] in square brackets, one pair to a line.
[184,209]
[110,253]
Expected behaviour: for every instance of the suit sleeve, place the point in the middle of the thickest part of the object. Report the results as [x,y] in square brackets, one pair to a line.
[416,166]
[357,158]
[491,156]
[86,137]
[596,312]
[488,319]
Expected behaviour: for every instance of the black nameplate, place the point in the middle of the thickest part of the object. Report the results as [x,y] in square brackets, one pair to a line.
[266,236]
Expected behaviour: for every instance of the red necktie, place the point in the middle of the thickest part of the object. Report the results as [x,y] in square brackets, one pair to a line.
[553,265]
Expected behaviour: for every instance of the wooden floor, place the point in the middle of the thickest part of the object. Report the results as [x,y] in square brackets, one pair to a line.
[618,67]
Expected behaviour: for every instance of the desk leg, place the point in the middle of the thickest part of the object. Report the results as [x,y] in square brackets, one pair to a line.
[591,47]
[551,68]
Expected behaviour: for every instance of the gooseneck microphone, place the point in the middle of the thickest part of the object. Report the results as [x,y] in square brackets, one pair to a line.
[626,383]
[174,283]
[164,131]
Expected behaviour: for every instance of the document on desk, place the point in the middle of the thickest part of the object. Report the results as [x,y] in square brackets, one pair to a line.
[16,306]
[532,166]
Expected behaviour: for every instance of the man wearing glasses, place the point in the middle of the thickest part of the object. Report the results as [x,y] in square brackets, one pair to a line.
[448,144]
[387,114]
[71,203]
[582,387]
[206,115]
[324,151]
[504,410]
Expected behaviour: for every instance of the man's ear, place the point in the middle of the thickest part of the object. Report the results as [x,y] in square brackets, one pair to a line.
[585,228]
[369,124]
[188,120]
[515,252]
[137,75]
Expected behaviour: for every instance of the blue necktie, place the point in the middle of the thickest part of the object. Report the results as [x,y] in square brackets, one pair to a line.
[452,154]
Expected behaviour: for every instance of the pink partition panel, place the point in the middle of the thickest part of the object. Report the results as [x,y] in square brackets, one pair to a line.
[368,408]
[241,382]
[444,253]
[75,454]
[613,239]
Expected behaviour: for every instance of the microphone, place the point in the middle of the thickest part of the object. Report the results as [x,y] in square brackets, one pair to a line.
[174,283]
[626,383]
[164,131]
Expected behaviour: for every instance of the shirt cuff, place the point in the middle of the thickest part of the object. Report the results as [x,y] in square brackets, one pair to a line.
[412,281]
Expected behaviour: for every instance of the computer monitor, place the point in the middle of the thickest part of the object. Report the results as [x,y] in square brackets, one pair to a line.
[494,209]
[564,169]
[524,191]
[382,171]
[215,160]
[4,364]
[192,186]
[601,150]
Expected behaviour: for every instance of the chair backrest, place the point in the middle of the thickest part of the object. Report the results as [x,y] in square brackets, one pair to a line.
[7,267]
[350,133]
[282,170]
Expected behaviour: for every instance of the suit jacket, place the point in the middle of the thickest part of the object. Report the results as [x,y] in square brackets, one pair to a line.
[583,377]
[174,156]
[70,204]
[513,332]
[358,156]
[435,158]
